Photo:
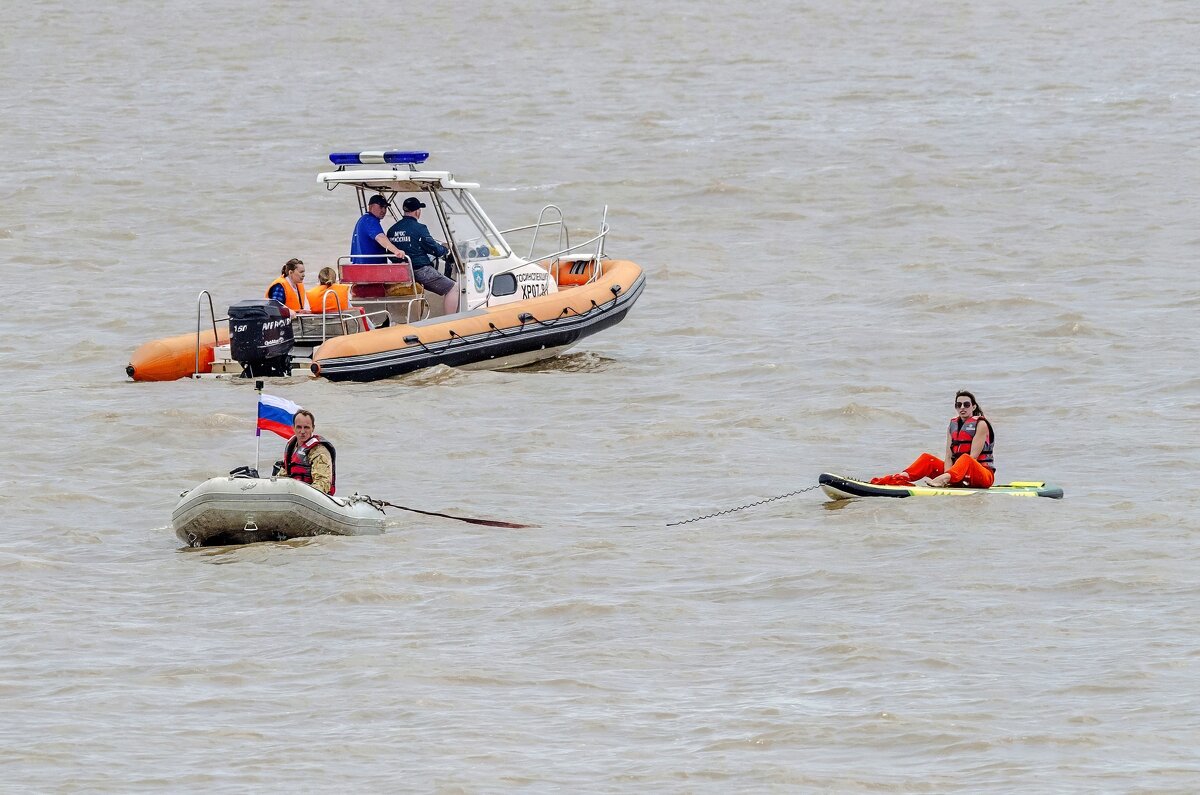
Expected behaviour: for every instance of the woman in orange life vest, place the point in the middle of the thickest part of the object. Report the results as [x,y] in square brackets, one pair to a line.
[328,283]
[969,441]
[289,287]
[318,303]
[308,457]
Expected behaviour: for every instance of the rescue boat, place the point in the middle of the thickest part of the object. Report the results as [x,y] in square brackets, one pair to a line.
[234,509]
[516,307]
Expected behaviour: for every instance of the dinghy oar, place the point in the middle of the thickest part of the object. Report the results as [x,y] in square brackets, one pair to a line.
[486,522]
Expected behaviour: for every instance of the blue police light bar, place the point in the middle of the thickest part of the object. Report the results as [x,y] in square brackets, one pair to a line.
[369,158]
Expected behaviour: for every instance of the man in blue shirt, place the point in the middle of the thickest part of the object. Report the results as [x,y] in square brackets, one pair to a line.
[368,244]
[413,237]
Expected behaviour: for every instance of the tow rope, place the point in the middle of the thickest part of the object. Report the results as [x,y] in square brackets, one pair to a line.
[487,522]
[749,505]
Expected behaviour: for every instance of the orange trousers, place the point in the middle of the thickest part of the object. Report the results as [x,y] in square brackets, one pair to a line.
[966,471]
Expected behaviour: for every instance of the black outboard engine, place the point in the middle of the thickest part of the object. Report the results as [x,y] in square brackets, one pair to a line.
[260,337]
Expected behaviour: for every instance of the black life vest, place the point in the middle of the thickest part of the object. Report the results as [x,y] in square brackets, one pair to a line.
[298,466]
[962,433]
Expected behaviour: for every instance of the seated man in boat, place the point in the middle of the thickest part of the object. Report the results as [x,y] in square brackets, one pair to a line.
[969,442]
[413,237]
[369,245]
[288,289]
[308,457]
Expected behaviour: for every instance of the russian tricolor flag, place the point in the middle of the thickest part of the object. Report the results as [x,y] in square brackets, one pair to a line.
[276,415]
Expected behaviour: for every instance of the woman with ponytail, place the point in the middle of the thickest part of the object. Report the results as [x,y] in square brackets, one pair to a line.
[969,442]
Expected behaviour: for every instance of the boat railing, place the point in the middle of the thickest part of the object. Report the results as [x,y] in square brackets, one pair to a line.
[552,261]
[563,232]
[566,250]
[337,302]
[212,316]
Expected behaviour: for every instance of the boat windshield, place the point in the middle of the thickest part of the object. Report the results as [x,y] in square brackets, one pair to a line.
[473,235]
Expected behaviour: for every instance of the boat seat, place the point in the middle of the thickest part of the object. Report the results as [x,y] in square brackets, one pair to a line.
[384,280]
[385,290]
[391,272]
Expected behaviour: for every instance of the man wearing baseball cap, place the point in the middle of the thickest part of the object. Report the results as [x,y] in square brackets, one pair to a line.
[413,238]
[369,245]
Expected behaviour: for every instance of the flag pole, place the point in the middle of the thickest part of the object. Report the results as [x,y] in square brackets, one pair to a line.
[258,387]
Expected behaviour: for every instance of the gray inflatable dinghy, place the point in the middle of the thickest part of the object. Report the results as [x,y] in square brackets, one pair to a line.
[242,510]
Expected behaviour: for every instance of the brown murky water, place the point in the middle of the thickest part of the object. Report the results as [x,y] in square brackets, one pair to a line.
[845,212]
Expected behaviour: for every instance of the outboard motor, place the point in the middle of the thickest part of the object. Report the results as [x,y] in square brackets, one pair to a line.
[260,337]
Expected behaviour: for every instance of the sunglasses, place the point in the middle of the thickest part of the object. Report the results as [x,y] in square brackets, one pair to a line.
[962,404]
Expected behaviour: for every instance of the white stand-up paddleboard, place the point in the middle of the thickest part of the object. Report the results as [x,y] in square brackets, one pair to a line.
[838,487]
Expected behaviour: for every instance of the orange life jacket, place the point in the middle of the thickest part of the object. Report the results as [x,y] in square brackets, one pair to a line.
[295,299]
[962,434]
[316,298]
[298,466]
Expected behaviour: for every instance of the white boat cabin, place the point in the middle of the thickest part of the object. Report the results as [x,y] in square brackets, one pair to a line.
[481,260]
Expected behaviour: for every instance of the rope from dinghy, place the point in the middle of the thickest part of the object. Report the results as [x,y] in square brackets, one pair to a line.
[380,504]
[748,505]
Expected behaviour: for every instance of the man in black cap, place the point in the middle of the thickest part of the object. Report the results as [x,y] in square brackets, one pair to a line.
[413,238]
[368,244]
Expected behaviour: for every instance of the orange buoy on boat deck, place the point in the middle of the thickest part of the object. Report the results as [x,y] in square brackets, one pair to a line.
[172,358]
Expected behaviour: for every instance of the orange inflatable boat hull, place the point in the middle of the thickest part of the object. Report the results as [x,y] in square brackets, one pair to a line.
[555,320]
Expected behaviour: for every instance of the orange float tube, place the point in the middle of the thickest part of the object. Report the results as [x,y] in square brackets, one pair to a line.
[574,273]
[172,358]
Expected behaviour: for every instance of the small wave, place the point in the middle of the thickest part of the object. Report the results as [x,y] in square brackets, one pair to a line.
[941,303]
[579,362]
[859,411]
[575,610]
[1058,87]
[9,560]
[221,421]
[1074,328]
[783,216]
[374,597]
[118,234]
[1101,585]
[262,552]
[438,374]
[721,188]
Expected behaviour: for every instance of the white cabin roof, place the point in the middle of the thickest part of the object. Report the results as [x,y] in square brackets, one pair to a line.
[393,179]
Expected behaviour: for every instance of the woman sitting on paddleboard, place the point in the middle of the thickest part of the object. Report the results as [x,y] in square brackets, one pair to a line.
[969,441]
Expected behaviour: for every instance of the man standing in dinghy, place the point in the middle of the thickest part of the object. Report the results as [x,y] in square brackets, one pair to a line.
[969,441]
[308,457]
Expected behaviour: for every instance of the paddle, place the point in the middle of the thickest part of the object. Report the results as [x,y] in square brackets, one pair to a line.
[486,522]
